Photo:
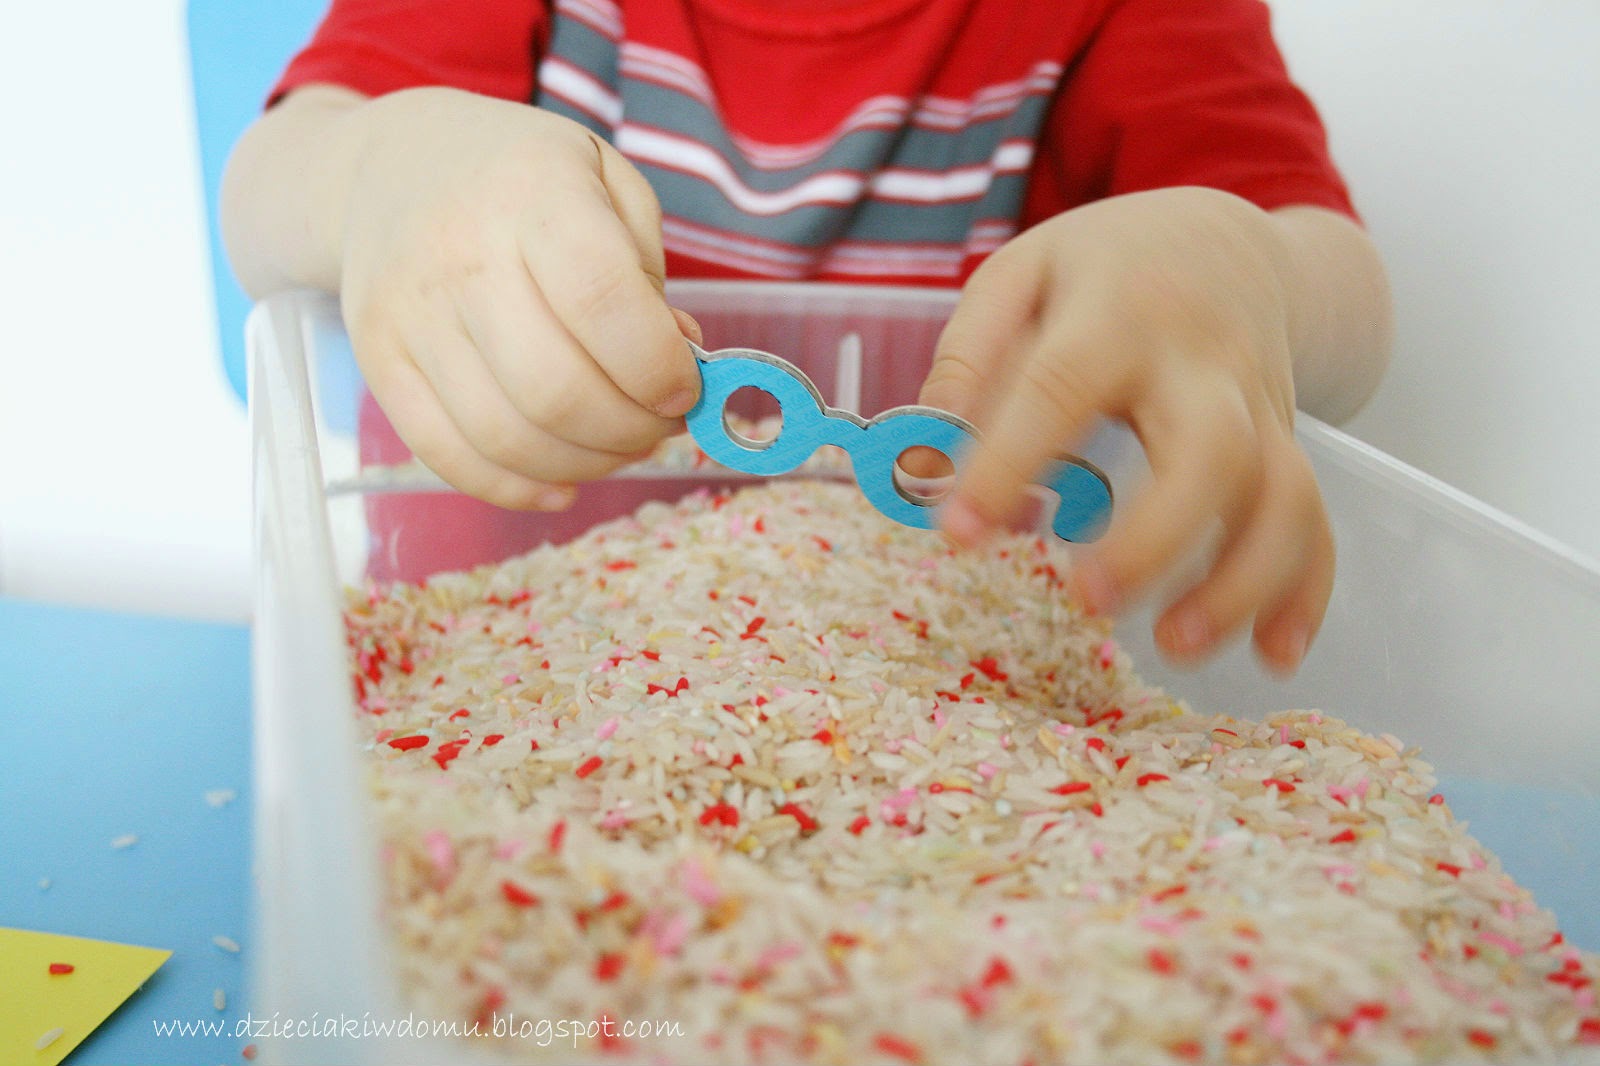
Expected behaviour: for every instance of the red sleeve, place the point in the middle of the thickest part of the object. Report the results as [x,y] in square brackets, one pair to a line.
[382,46]
[1184,92]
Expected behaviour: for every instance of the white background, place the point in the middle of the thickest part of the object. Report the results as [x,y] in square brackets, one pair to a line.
[1468,130]
[124,458]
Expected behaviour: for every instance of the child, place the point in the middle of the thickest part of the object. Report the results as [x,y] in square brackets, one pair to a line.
[1138,204]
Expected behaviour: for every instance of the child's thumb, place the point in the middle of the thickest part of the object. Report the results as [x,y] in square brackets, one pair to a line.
[687,325]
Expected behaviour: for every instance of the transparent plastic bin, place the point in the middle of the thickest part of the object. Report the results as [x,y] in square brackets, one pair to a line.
[1451,626]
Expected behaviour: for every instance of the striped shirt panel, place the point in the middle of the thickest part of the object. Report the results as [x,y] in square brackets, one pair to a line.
[901,189]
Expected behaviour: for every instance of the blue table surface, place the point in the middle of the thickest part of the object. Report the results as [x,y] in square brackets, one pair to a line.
[120,724]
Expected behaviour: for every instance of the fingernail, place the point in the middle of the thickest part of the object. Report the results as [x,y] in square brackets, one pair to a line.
[688,325]
[1285,653]
[963,524]
[1294,646]
[678,404]
[1190,631]
[1096,589]
[554,499]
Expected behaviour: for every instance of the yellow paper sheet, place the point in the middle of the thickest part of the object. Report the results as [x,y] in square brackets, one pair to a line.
[36,1001]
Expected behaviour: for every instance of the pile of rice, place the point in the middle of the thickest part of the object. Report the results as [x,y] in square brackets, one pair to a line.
[804,785]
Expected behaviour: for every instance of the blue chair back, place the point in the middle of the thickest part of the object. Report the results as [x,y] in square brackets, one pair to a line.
[237,49]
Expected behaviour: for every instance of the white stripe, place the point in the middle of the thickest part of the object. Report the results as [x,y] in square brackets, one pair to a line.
[842,261]
[669,77]
[879,112]
[694,158]
[885,270]
[976,246]
[964,183]
[981,234]
[875,268]
[913,254]
[988,236]
[739,263]
[581,89]
[877,252]
[734,242]
[720,252]
[875,260]
[949,267]
[1043,76]
[831,188]
[943,260]
[669,66]
[958,183]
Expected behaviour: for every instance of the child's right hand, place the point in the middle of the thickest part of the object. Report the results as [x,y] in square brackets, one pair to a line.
[501,272]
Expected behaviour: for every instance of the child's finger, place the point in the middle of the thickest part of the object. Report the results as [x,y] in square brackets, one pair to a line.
[637,208]
[1262,560]
[414,409]
[544,372]
[1047,403]
[491,424]
[588,268]
[1205,466]
[988,328]
[1286,629]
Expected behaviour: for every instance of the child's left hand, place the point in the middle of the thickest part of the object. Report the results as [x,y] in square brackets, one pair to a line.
[1172,311]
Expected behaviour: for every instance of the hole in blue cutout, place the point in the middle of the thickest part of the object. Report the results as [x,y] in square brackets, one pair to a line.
[923,475]
[752,417]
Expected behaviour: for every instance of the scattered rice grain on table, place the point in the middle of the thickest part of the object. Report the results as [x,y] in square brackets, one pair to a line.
[807,786]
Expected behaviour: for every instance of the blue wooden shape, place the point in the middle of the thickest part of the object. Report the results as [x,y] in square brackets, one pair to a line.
[874,445]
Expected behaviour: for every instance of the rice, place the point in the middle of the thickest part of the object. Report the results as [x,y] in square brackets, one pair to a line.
[804,785]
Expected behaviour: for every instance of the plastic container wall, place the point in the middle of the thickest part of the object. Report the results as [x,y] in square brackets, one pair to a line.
[1451,626]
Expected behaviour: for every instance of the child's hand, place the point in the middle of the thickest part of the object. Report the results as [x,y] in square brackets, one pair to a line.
[1171,311]
[501,272]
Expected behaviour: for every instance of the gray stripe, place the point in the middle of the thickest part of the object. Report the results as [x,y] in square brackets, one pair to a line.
[590,52]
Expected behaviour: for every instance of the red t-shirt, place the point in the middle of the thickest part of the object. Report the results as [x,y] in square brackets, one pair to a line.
[869,140]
